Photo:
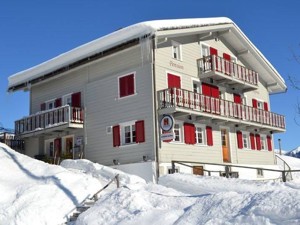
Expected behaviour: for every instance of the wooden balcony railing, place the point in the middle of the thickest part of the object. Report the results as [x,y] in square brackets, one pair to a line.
[49,118]
[175,97]
[213,63]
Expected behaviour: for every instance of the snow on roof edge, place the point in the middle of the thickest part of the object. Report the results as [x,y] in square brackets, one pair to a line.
[108,41]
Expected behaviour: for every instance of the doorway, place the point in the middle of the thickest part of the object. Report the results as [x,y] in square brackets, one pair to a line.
[225,145]
[69,146]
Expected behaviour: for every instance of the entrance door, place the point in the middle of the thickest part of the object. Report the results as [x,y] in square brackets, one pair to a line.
[225,145]
[198,170]
[69,146]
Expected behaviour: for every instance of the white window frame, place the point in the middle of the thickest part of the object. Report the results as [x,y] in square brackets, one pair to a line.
[134,83]
[203,127]
[260,104]
[198,83]
[65,99]
[260,173]
[180,129]
[52,101]
[204,45]
[176,49]
[246,137]
[263,142]
[132,137]
[47,144]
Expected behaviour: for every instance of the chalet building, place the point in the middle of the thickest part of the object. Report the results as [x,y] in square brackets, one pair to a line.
[192,90]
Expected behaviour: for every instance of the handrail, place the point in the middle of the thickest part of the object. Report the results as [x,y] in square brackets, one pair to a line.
[228,68]
[198,102]
[48,118]
[228,165]
[114,178]
[285,164]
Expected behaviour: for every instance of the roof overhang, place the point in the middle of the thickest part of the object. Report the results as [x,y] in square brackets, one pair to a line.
[224,28]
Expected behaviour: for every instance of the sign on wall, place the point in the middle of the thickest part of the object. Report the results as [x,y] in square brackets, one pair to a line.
[167,123]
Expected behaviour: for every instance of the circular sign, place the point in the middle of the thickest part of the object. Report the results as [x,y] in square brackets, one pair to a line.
[166,123]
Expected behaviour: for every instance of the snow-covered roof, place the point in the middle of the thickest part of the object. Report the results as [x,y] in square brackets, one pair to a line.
[106,42]
[139,30]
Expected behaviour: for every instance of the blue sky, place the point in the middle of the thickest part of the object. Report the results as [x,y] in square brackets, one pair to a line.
[35,31]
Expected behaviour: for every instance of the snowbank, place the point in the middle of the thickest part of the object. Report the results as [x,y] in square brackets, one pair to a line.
[102,172]
[34,192]
[190,199]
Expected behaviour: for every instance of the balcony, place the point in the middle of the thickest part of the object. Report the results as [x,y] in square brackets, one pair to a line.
[224,71]
[53,120]
[187,102]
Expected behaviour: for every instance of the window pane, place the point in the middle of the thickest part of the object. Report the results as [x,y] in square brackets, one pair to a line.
[133,134]
[127,134]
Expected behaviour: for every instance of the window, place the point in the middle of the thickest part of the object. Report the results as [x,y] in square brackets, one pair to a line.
[196,87]
[246,140]
[128,133]
[50,104]
[126,85]
[263,142]
[200,137]
[178,132]
[260,173]
[170,170]
[67,99]
[204,50]
[176,50]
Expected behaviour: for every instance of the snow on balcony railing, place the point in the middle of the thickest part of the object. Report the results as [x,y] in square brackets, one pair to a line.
[232,70]
[49,118]
[175,97]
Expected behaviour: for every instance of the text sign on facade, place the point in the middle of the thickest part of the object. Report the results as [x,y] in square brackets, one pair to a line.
[167,136]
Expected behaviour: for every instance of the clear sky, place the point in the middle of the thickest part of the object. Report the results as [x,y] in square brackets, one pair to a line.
[34,31]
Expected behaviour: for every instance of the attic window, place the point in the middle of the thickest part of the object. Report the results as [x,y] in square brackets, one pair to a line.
[176,50]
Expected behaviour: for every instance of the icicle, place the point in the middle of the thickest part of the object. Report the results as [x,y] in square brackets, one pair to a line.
[145,44]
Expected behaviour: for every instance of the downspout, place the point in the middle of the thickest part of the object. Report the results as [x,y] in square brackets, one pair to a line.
[155,110]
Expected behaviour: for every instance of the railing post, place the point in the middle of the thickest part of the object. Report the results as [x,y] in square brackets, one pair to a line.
[283,176]
[117,180]
[173,166]
[227,171]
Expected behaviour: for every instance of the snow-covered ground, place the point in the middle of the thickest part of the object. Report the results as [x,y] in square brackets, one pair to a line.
[33,192]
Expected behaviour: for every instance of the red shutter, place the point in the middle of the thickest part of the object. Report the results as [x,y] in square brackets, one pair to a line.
[213,51]
[126,85]
[130,84]
[173,81]
[206,89]
[189,133]
[76,99]
[122,86]
[116,136]
[57,102]
[269,140]
[252,141]
[239,136]
[226,57]
[227,63]
[258,144]
[237,98]
[254,103]
[140,131]
[266,108]
[214,91]
[209,136]
[43,106]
